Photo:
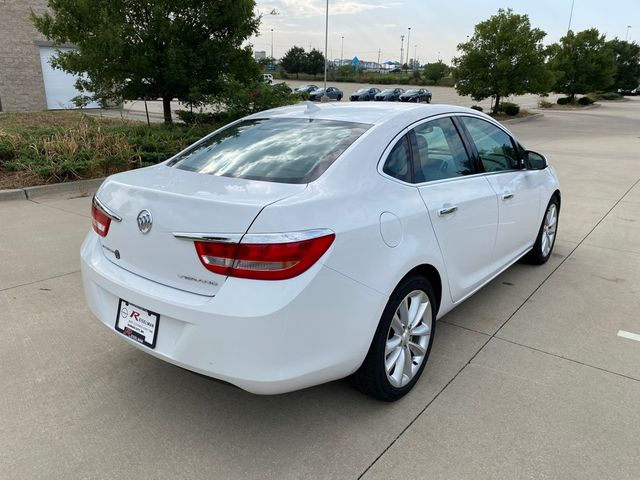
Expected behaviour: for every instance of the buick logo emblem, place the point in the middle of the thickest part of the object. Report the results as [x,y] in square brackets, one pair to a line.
[145,221]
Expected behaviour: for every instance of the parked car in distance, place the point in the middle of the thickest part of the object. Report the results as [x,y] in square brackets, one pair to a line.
[364,94]
[389,95]
[629,92]
[267,78]
[395,70]
[253,256]
[305,88]
[332,92]
[416,95]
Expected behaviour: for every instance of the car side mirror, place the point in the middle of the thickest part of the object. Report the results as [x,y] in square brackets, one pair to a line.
[535,160]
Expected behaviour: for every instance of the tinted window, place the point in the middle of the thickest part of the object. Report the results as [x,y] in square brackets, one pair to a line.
[494,146]
[276,150]
[441,153]
[398,164]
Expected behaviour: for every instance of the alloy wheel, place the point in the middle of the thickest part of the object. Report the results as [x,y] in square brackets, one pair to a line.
[549,229]
[408,338]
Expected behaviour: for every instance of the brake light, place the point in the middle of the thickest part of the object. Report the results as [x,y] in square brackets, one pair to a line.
[262,258]
[100,220]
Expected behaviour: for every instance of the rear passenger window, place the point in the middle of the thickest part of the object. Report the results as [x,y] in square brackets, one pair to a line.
[441,153]
[496,150]
[398,162]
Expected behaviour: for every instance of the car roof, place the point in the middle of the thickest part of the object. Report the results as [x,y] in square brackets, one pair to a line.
[370,113]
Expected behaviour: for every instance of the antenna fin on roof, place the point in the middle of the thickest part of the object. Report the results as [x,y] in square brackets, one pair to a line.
[311,108]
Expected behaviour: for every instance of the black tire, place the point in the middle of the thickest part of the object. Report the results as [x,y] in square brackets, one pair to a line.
[371,378]
[537,256]
[339,97]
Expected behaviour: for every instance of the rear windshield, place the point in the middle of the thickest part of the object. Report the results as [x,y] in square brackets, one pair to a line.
[273,150]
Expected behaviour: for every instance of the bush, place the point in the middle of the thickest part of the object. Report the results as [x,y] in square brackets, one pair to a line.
[608,96]
[447,82]
[545,104]
[196,118]
[585,101]
[511,109]
[564,101]
[89,147]
[477,107]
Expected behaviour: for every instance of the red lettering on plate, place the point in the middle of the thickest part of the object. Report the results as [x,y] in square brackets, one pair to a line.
[135,315]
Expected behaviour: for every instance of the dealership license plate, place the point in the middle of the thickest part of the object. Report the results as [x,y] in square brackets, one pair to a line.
[137,323]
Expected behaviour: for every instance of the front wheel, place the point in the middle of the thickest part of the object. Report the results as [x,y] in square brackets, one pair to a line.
[546,238]
[402,342]
[339,97]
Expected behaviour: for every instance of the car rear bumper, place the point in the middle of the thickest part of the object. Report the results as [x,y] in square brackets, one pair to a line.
[265,337]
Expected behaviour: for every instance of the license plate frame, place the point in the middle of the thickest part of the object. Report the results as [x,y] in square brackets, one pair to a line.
[137,323]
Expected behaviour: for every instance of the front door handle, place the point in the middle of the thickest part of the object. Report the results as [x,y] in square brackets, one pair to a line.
[507,196]
[447,211]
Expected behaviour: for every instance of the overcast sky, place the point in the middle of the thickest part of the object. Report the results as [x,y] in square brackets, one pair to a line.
[436,26]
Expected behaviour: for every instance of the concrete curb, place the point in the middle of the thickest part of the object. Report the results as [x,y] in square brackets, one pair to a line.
[17,194]
[70,189]
[528,118]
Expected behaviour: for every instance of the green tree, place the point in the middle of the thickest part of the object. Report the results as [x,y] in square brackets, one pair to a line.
[436,71]
[582,63]
[505,56]
[184,49]
[627,57]
[314,62]
[294,61]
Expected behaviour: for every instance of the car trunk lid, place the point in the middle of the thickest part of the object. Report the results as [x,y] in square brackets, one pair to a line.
[180,202]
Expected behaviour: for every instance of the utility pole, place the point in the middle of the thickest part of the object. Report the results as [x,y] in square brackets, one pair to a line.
[415,54]
[326,40]
[401,49]
[570,16]
[378,57]
[342,50]
[408,39]
[272,43]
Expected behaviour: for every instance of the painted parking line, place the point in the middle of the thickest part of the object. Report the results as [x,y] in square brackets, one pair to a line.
[629,335]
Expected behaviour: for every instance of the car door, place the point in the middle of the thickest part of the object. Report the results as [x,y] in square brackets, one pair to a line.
[518,191]
[462,206]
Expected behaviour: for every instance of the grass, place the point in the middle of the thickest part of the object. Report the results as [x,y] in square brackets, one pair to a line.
[52,147]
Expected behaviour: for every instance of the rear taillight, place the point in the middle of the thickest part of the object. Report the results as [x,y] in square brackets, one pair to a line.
[266,257]
[100,220]
[101,217]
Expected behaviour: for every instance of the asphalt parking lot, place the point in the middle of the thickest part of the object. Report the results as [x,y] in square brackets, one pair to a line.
[527,379]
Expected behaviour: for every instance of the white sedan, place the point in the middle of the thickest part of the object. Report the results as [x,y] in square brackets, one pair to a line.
[309,243]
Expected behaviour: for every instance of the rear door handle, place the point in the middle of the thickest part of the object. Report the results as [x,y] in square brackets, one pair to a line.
[447,211]
[507,196]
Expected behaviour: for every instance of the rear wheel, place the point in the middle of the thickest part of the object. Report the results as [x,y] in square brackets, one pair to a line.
[402,342]
[546,239]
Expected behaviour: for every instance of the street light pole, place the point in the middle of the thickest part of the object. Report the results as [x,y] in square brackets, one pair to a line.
[626,37]
[272,43]
[415,54]
[408,39]
[570,16]
[326,39]
[342,50]
[401,49]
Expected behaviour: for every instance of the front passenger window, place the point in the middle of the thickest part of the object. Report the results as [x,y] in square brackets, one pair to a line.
[495,148]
